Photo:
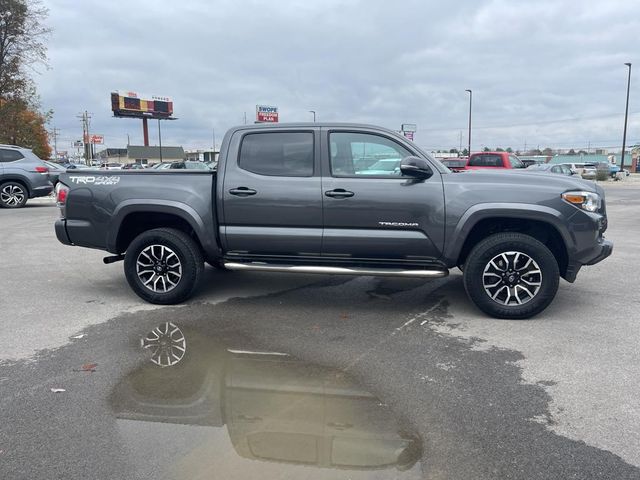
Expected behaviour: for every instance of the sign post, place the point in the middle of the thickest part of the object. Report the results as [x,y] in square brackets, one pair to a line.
[408,130]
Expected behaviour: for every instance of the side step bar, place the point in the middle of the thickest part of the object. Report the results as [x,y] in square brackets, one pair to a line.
[329,270]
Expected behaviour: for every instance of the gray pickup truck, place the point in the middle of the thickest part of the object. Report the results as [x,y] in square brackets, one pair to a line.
[339,199]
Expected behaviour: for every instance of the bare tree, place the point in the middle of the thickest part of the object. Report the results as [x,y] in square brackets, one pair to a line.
[22,47]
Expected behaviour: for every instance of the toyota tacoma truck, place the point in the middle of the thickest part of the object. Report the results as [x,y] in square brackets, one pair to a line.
[299,198]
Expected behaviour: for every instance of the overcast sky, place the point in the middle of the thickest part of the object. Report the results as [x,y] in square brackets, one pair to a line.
[545,73]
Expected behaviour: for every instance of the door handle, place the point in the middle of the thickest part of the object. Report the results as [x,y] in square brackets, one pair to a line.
[339,193]
[242,191]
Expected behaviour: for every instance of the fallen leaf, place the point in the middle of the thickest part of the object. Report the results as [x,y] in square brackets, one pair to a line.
[82,335]
[58,390]
[89,367]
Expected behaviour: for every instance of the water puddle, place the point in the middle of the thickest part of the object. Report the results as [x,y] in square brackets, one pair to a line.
[200,408]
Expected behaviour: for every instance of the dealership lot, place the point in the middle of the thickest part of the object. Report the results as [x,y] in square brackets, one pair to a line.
[551,397]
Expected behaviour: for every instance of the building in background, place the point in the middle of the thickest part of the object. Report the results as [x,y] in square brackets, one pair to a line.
[206,155]
[140,154]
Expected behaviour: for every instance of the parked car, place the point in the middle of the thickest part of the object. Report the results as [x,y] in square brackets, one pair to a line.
[560,169]
[111,166]
[455,164]
[74,166]
[55,169]
[22,176]
[133,166]
[493,160]
[527,162]
[279,205]
[384,166]
[182,165]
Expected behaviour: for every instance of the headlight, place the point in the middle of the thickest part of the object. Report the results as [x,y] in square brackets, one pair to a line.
[588,201]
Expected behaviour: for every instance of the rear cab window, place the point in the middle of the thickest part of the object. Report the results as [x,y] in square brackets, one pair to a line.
[284,154]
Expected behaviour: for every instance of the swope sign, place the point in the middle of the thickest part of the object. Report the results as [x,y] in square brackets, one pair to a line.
[266,113]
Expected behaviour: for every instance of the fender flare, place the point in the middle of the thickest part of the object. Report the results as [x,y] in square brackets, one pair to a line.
[521,211]
[187,213]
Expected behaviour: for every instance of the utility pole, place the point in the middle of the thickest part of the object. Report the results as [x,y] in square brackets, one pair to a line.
[460,149]
[86,120]
[314,115]
[54,133]
[245,118]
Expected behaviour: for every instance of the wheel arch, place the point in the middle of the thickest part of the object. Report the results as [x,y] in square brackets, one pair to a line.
[18,179]
[135,217]
[540,222]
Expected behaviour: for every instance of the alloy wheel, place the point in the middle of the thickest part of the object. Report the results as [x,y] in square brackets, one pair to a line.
[12,195]
[159,268]
[512,278]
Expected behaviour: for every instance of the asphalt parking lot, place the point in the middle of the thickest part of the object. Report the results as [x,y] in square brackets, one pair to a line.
[408,371]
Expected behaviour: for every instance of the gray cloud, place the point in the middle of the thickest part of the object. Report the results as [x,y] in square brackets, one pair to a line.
[529,63]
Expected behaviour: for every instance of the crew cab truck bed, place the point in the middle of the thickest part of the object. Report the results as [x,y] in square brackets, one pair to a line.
[339,199]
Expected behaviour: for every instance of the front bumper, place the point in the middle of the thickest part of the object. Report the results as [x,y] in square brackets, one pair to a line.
[61,232]
[605,249]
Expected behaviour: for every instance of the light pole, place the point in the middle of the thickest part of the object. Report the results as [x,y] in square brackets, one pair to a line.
[470,99]
[160,140]
[626,115]
[314,115]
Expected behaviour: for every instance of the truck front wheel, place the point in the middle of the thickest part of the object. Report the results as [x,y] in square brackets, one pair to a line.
[163,266]
[511,275]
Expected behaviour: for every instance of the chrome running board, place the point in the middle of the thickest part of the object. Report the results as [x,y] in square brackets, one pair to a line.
[330,270]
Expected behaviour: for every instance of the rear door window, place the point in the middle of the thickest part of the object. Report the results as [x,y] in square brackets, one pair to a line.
[7,155]
[486,160]
[283,154]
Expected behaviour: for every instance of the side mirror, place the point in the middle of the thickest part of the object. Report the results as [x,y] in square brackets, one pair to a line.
[415,167]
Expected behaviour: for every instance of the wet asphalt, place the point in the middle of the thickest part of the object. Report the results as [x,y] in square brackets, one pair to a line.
[439,404]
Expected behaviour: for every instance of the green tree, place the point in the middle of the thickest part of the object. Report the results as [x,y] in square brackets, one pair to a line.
[22,36]
[486,149]
[22,48]
[499,149]
[509,150]
[571,152]
[24,126]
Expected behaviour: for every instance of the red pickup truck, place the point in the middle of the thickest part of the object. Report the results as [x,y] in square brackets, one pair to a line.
[493,160]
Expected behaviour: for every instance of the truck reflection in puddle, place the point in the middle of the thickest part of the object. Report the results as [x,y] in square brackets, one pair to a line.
[282,416]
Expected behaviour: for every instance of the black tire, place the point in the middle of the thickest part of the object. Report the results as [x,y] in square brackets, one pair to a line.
[491,247]
[191,265]
[13,195]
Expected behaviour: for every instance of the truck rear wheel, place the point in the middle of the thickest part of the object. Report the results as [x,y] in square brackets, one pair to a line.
[163,266]
[511,275]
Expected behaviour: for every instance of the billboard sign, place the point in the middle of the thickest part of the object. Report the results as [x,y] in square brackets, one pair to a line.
[133,104]
[409,127]
[266,114]
[94,138]
[408,135]
[78,144]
